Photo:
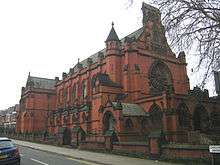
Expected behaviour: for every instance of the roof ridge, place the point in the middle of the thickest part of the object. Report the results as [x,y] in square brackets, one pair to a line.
[119,39]
[95,54]
[41,78]
[132,33]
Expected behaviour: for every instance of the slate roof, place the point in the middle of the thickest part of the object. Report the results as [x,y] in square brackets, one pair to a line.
[136,34]
[129,109]
[43,83]
[112,35]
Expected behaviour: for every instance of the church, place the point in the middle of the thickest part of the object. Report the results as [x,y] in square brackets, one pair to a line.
[133,89]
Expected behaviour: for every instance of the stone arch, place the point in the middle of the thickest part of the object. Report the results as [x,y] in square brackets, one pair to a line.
[183,116]
[156,117]
[108,122]
[160,77]
[200,118]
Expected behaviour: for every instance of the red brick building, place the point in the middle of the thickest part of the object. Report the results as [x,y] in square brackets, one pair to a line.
[128,94]
[38,97]
[132,88]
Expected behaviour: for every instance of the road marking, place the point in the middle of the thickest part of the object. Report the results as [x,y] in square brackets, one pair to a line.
[38,161]
[82,161]
[35,147]
[21,155]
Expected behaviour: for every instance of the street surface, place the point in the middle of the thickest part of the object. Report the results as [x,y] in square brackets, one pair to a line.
[42,154]
[36,157]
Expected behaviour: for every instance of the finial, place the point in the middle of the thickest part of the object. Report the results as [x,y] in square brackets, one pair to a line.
[112,23]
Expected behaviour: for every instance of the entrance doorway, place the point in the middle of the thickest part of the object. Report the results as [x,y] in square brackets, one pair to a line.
[66,136]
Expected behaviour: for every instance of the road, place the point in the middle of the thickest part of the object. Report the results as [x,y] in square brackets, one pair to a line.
[31,156]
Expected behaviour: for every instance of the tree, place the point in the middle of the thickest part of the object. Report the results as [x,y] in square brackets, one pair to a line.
[191,23]
[194,24]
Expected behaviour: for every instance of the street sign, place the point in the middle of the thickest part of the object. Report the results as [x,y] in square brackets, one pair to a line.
[214,149]
[217,82]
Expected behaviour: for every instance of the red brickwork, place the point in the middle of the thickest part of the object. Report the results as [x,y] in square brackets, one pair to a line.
[35,105]
[130,89]
[136,85]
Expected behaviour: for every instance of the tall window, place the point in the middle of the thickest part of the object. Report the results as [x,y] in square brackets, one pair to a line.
[65,119]
[74,93]
[84,88]
[200,118]
[60,96]
[128,124]
[183,116]
[215,119]
[144,123]
[156,116]
[108,121]
[83,117]
[65,97]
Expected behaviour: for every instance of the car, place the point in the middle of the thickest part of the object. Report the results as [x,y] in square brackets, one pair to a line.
[9,152]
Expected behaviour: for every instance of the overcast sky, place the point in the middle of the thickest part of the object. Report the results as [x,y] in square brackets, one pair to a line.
[46,37]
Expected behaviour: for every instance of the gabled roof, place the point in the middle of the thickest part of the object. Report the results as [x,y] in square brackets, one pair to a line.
[129,109]
[42,83]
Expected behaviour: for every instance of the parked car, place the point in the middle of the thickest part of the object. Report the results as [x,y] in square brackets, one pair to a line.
[9,153]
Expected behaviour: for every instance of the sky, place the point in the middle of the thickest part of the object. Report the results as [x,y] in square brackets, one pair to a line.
[46,37]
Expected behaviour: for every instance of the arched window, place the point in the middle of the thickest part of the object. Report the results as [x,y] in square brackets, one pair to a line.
[160,78]
[183,116]
[74,93]
[93,81]
[144,123]
[74,119]
[65,97]
[84,89]
[83,117]
[215,119]
[129,124]
[82,135]
[51,120]
[200,118]
[108,122]
[65,119]
[60,96]
[156,116]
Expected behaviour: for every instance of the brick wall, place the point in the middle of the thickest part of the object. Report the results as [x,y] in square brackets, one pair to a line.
[185,152]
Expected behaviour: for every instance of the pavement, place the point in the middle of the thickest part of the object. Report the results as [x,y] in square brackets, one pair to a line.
[93,158]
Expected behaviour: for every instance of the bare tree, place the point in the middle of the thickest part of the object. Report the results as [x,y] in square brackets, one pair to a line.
[193,24]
